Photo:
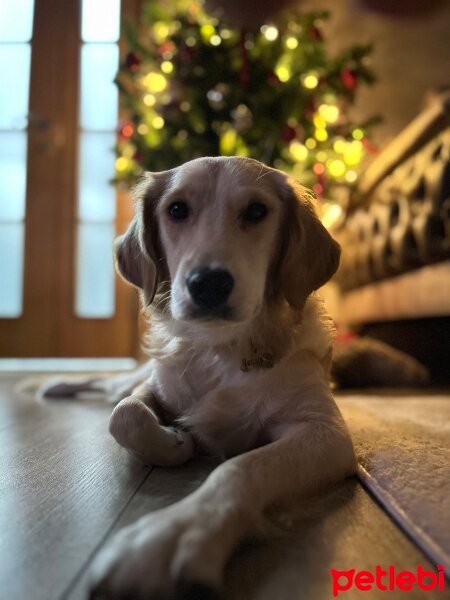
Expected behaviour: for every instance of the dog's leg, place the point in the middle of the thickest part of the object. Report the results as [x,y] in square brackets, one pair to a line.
[181,551]
[134,424]
[115,387]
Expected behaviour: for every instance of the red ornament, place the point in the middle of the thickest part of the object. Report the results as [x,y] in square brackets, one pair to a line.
[369,146]
[314,33]
[318,169]
[168,48]
[349,78]
[126,130]
[288,133]
[318,189]
[133,61]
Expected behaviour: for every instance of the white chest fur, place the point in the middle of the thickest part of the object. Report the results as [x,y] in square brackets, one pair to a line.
[229,410]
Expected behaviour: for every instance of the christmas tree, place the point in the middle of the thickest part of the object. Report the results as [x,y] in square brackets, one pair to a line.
[192,86]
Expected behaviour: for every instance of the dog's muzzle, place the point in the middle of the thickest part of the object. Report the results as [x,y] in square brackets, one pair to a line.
[210,289]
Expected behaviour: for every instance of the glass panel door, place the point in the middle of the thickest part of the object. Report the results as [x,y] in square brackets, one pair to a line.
[95,278]
[15,57]
[59,295]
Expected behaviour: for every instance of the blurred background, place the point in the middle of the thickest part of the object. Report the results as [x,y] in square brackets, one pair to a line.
[326,90]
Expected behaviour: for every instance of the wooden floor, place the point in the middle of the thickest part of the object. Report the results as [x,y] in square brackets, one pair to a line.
[65,486]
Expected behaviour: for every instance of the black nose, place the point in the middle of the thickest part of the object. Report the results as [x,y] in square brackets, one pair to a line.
[209,288]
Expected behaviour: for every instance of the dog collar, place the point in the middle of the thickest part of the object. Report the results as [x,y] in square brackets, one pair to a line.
[261,361]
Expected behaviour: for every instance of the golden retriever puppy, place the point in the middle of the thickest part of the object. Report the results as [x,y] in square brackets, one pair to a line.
[227,253]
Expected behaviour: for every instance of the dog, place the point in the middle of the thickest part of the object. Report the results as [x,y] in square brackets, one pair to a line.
[227,254]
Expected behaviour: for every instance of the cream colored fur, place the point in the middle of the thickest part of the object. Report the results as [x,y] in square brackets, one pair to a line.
[278,421]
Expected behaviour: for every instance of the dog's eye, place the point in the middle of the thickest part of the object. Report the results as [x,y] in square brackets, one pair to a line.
[254,213]
[178,211]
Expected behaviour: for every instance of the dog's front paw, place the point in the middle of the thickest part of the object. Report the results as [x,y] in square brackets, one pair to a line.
[166,555]
[135,427]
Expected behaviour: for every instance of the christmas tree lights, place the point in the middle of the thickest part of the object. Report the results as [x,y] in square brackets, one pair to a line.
[191,86]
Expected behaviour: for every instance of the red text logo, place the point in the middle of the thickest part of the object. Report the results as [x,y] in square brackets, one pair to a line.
[387,580]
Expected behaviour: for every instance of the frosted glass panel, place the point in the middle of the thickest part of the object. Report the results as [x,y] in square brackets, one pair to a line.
[16,20]
[95,285]
[96,196]
[15,78]
[99,97]
[13,167]
[100,21]
[11,269]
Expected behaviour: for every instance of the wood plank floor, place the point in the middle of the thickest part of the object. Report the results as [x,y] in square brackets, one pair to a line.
[65,486]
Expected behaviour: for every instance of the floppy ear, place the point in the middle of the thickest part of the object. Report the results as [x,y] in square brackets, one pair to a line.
[134,263]
[310,256]
[136,251]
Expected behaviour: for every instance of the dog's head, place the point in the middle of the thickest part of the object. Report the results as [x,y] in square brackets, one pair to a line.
[227,235]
